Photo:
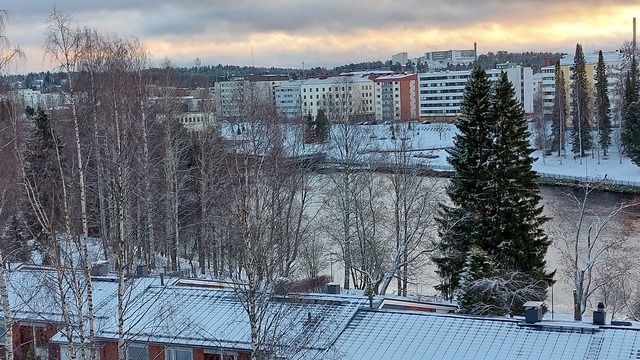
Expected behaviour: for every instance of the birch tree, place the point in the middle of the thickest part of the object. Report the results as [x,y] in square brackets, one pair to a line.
[413,206]
[588,245]
[349,142]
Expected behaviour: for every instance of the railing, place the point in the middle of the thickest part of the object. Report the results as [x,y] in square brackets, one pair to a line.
[448,168]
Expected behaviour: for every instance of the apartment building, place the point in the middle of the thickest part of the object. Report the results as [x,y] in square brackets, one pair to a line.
[396,97]
[229,95]
[440,93]
[612,60]
[345,98]
[287,99]
[37,99]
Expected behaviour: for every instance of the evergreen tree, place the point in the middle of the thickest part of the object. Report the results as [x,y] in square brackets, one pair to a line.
[603,105]
[459,223]
[516,238]
[322,126]
[42,153]
[631,133]
[494,191]
[581,140]
[317,130]
[630,117]
[559,123]
[477,266]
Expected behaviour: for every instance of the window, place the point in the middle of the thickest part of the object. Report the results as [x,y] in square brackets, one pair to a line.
[178,354]
[137,352]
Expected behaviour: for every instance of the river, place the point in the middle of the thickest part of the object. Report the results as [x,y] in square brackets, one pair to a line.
[563,213]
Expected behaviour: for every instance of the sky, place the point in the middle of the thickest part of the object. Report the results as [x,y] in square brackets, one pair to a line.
[328,33]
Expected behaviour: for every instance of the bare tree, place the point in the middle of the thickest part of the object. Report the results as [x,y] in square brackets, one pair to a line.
[588,244]
[350,143]
[413,205]
[264,212]
[8,54]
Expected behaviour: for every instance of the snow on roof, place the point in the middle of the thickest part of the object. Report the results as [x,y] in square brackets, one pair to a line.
[332,80]
[215,318]
[392,77]
[406,335]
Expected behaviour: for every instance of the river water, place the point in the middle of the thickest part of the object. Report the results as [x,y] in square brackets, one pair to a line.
[562,211]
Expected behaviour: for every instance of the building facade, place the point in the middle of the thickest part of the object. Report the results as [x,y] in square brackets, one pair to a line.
[232,94]
[287,99]
[342,98]
[440,93]
[613,62]
[396,97]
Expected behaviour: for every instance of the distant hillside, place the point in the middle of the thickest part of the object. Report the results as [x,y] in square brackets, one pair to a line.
[208,74]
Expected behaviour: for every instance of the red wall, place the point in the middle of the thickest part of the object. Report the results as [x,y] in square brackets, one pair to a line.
[156,352]
[109,351]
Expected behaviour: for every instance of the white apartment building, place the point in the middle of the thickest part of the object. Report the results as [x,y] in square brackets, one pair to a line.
[287,97]
[453,57]
[349,97]
[440,93]
[36,99]
[230,94]
[612,60]
[401,58]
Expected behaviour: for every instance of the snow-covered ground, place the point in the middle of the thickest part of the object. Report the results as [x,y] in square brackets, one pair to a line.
[428,142]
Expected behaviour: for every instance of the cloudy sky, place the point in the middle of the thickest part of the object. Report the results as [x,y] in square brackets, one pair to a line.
[285,33]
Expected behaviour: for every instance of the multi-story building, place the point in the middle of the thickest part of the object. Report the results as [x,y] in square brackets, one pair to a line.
[36,99]
[451,56]
[346,98]
[440,93]
[396,97]
[612,60]
[400,58]
[287,97]
[229,95]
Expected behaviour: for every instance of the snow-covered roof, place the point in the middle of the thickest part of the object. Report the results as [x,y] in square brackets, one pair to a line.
[414,335]
[215,318]
[332,80]
[34,295]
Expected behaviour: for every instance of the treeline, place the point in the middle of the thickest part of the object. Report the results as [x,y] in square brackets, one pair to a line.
[535,60]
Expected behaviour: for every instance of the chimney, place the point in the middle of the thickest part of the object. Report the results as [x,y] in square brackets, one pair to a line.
[532,312]
[475,50]
[100,268]
[599,315]
[333,288]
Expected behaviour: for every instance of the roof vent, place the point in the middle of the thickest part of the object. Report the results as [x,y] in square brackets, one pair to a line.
[599,315]
[532,312]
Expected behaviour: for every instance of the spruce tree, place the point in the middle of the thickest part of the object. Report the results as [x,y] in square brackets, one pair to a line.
[559,123]
[43,157]
[494,192]
[478,266]
[603,105]
[516,238]
[581,140]
[630,116]
[459,223]
[632,132]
